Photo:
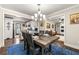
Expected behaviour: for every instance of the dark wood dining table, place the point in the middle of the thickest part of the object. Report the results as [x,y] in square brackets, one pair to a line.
[45,41]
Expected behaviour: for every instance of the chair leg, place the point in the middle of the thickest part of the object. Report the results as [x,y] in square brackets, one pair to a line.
[28,52]
[49,48]
[24,46]
[32,51]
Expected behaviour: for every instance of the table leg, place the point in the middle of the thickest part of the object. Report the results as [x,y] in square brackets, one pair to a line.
[42,51]
[49,48]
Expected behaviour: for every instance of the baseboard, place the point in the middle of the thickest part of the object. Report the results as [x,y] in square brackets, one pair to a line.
[71,46]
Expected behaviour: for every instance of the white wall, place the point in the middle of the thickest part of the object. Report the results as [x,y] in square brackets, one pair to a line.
[10,12]
[8,33]
[1,28]
[71,30]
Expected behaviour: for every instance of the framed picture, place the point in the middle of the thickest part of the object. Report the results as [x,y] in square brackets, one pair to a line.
[74,18]
[52,25]
[48,25]
[41,23]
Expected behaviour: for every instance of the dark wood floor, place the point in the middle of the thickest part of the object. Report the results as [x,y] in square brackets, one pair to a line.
[3,50]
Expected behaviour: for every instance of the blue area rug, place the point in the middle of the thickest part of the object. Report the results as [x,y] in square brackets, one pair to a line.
[17,49]
[56,49]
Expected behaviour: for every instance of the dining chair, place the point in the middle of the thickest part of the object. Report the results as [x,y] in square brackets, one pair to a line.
[31,46]
[25,40]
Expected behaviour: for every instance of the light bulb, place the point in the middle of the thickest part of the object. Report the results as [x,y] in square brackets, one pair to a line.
[32,17]
[40,19]
[44,16]
[41,15]
[35,19]
[39,12]
[35,15]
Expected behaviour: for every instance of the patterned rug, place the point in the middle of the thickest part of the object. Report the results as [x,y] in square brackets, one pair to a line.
[56,49]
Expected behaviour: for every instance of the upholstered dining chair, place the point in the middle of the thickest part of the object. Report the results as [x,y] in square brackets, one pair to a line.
[25,40]
[31,46]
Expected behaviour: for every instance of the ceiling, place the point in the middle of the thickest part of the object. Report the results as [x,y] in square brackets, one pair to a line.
[30,9]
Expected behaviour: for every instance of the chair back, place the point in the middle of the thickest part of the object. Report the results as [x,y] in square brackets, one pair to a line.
[30,42]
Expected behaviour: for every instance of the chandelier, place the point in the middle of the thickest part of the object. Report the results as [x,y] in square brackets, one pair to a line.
[39,16]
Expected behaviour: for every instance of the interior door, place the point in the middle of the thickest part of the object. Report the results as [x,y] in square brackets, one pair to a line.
[17,28]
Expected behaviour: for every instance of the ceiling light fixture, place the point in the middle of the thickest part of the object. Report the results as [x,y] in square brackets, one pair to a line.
[39,16]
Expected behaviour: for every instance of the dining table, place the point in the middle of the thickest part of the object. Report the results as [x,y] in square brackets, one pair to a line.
[45,41]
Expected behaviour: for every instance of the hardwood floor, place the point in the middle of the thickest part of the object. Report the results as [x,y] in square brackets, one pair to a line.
[58,45]
[3,51]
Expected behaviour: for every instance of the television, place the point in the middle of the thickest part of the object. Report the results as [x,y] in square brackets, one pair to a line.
[36,29]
